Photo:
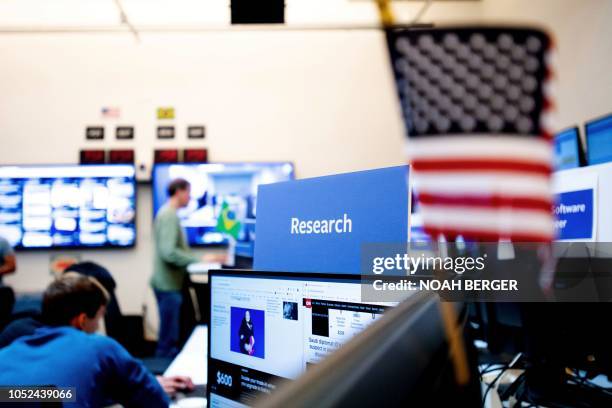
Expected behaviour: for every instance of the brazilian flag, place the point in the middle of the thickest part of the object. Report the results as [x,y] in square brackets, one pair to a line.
[227,221]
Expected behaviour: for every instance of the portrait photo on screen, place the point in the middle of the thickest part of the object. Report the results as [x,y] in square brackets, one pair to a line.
[248,328]
[290,310]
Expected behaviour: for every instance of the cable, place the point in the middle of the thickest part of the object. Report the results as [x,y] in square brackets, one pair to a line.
[588,384]
[126,21]
[421,12]
[484,370]
[484,397]
[492,383]
[493,369]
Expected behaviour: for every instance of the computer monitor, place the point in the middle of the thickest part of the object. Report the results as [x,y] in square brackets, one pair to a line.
[599,140]
[68,206]
[420,354]
[212,185]
[296,320]
[568,149]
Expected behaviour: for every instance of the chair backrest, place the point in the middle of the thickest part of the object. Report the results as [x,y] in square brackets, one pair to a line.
[94,270]
[127,330]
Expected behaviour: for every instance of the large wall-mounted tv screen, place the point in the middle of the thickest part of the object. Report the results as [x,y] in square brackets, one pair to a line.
[212,185]
[71,206]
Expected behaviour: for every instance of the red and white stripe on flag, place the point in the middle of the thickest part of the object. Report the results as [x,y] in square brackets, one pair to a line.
[475,104]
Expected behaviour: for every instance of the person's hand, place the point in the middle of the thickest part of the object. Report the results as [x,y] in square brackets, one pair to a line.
[215,258]
[176,383]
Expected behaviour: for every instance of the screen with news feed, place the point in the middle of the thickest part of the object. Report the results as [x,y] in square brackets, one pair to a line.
[68,206]
[269,328]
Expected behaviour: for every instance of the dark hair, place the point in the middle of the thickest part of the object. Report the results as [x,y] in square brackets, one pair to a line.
[71,295]
[176,185]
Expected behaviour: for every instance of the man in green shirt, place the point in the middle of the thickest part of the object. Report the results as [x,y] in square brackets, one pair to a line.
[172,255]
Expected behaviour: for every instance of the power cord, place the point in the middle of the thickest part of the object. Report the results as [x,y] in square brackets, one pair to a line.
[490,368]
[503,371]
[583,382]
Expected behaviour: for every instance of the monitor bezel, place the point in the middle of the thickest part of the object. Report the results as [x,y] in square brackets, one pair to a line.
[587,124]
[248,273]
[55,248]
[582,157]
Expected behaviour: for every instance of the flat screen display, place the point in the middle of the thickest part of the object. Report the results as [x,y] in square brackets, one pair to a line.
[567,149]
[599,140]
[212,186]
[71,206]
[268,328]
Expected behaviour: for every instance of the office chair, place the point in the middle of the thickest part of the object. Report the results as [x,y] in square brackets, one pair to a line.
[128,330]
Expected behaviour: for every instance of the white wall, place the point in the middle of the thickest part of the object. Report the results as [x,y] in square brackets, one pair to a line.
[323,99]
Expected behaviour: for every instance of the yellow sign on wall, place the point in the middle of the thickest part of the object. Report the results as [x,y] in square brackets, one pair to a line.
[165,113]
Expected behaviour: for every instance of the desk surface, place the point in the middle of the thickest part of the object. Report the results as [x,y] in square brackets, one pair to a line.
[192,360]
[202,267]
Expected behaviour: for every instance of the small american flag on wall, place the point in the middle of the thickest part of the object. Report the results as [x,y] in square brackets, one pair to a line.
[475,106]
[111,112]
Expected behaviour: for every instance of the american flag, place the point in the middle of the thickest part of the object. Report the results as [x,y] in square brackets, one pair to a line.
[475,106]
[110,112]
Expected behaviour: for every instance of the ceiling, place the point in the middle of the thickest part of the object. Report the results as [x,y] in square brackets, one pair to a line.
[24,15]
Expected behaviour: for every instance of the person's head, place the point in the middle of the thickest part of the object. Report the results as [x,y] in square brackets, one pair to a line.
[75,300]
[247,316]
[179,190]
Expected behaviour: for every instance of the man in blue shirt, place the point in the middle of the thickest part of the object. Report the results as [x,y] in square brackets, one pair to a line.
[66,353]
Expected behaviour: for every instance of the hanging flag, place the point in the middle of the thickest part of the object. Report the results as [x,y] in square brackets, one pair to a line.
[475,106]
[227,222]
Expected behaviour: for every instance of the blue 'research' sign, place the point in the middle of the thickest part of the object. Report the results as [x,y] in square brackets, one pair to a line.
[319,224]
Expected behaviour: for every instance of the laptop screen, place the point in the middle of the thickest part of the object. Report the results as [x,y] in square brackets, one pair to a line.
[267,328]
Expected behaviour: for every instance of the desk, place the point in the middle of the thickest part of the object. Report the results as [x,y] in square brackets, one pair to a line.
[199,271]
[192,360]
